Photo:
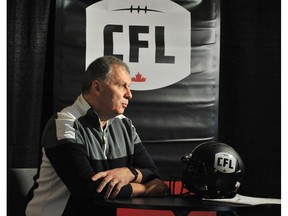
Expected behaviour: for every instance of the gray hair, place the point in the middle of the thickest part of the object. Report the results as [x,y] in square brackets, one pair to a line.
[100,69]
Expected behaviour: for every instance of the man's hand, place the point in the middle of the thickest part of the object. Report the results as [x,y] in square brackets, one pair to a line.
[115,179]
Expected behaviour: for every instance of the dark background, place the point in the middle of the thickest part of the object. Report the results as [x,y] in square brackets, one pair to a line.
[250,90]
[250,87]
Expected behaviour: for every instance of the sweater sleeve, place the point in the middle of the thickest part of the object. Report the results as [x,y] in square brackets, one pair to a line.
[143,161]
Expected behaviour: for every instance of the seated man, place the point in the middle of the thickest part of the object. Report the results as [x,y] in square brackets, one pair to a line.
[90,150]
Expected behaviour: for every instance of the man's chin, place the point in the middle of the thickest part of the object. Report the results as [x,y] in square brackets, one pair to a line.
[120,112]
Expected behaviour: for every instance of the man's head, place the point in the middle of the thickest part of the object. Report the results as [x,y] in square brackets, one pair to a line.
[106,86]
[101,69]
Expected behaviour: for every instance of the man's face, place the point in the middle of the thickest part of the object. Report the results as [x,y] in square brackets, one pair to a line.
[116,92]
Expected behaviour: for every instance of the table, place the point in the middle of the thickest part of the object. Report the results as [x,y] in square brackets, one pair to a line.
[181,206]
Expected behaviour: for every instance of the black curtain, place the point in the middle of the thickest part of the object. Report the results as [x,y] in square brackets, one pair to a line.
[28,76]
[250,90]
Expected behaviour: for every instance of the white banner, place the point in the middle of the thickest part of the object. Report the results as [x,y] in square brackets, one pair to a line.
[152,37]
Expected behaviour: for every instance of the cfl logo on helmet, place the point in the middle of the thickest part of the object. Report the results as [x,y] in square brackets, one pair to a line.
[224,162]
[152,37]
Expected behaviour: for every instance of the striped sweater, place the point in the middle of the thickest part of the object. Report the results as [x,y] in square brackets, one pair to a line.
[74,148]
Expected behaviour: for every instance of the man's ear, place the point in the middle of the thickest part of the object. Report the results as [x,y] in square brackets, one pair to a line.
[96,87]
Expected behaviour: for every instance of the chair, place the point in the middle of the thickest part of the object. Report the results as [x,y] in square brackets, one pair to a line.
[19,181]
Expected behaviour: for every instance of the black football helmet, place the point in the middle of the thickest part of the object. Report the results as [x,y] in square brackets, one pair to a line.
[214,170]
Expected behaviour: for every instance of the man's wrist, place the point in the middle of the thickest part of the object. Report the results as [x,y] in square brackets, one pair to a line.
[134,172]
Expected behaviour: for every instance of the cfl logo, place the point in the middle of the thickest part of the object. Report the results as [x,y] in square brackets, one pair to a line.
[224,162]
[135,44]
[152,37]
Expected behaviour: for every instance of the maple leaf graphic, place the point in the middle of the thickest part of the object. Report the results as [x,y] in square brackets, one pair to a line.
[138,78]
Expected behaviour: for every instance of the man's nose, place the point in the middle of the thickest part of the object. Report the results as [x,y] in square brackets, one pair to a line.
[128,93]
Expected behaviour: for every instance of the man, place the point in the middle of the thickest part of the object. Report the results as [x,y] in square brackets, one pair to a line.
[91,150]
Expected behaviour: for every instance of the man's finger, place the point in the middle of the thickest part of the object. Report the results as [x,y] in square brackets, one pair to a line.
[116,190]
[99,175]
[103,183]
[111,186]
